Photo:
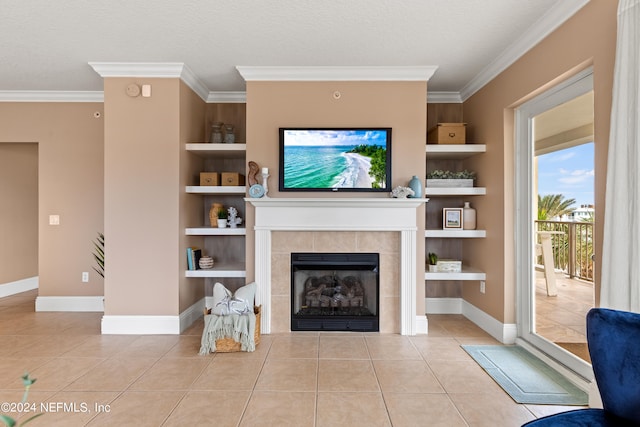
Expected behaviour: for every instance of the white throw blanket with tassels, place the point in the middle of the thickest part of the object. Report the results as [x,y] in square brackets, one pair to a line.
[239,327]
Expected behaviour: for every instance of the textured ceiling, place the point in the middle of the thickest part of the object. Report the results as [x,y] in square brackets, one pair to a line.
[47,45]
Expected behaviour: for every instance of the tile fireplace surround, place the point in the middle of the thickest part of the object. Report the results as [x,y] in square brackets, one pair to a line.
[384,225]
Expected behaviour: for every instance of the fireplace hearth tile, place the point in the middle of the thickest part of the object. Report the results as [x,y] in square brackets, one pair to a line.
[382,242]
[334,241]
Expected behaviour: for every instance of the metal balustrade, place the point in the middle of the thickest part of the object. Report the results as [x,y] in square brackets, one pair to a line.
[572,248]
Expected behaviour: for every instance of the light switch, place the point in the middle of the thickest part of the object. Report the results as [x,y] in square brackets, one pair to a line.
[146,91]
[54,219]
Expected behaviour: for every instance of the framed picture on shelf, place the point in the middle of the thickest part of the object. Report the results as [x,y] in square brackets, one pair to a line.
[452,218]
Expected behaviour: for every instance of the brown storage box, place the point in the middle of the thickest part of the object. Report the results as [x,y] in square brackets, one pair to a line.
[209,178]
[447,133]
[232,178]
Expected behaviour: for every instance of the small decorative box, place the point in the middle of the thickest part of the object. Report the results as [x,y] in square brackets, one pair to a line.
[209,178]
[449,266]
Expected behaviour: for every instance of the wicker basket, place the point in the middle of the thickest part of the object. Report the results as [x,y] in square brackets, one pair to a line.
[228,345]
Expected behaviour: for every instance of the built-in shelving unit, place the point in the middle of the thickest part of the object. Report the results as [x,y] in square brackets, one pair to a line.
[219,157]
[455,153]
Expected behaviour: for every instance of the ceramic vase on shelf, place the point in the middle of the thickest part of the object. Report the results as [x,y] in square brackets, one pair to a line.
[213,213]
[216,133]
[229,136]
[468,217]
[416,186]
[205,262]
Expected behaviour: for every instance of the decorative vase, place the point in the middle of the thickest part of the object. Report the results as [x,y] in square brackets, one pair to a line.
[433,268]
[416,186]
[229,136]
[468,217]
[216,132]
[205,262]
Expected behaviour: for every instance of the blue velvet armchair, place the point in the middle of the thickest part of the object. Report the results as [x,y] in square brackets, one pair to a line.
[614,346]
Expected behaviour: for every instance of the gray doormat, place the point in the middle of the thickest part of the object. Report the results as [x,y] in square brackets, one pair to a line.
[524,377]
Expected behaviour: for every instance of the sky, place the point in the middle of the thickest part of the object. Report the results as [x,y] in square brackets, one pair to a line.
[568,172]
[335,137]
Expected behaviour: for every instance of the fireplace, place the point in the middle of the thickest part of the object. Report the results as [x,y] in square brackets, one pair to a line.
[335,292]
[383,224]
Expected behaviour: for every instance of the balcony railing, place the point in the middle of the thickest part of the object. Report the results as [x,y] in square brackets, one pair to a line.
[572,248]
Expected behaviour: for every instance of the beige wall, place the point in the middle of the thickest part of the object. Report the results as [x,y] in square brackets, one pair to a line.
[70,181]
[141,215]
[18,211]
[399,105]
[588,38]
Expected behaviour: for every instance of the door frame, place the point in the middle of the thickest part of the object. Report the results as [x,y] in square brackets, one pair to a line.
[577,85]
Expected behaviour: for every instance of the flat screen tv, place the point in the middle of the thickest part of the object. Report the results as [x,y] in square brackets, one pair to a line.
[335,159]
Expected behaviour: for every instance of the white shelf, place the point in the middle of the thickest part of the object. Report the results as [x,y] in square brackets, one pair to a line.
[467,273]
[455,234]
[216,189]
[453,151]
[218,150]
[215,231]
[455,191]
[220,270]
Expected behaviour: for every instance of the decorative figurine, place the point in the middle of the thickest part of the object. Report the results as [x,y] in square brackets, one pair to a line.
[402,192]
[253,173]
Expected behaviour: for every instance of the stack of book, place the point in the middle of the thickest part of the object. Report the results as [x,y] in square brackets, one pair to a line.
[193,258]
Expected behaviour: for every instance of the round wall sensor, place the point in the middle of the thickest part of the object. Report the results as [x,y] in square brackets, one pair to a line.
[133,90]
[337,95]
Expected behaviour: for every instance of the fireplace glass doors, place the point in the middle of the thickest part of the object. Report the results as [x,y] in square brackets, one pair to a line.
[334,292]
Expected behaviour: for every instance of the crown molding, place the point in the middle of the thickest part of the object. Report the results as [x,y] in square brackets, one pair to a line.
[227,97]
[336,73]
[50,96]
[444,98]
[153,70]
[550,21]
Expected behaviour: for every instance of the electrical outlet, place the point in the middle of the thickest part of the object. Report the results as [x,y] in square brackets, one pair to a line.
[482,287]
[85,276]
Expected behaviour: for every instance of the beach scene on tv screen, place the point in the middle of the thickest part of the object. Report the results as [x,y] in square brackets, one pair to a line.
[335,159]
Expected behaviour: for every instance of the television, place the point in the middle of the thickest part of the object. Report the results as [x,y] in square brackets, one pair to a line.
[335,159]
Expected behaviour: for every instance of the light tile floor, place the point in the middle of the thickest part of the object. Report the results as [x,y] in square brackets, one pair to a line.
[298,379]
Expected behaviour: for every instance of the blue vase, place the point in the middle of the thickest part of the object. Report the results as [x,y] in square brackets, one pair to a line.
[416,186]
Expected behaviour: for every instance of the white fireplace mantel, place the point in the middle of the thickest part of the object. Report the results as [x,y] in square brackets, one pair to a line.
[339,214]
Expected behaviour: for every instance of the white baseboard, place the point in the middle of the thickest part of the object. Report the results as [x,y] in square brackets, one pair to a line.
[422,325]
[191,314]
[140,325]
[23,285]
[505,333]
[443,305]
[80,303]
[152,325]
